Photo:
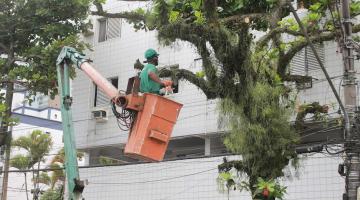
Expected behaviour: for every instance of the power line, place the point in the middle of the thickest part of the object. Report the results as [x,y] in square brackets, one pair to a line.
[155,180]
[125,164]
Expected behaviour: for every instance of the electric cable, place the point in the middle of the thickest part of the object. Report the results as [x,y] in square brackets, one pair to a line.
[155,180]
[125,118]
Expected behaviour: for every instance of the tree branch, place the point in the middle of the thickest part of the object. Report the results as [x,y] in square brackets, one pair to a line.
[198,36]
[208,67]
[243,18]
[274,17]
[192,78]
[209,7]
[267,37]
[22,83]
[126,15]
[287,57]
[4,48]
[193,33]
[285,60]
[21,59]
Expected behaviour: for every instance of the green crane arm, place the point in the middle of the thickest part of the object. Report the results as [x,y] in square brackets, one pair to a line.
[67,55]
[70,54]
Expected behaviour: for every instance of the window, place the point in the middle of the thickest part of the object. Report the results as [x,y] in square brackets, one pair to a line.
[100,98]
[102,30]
[109,28]
[305,64]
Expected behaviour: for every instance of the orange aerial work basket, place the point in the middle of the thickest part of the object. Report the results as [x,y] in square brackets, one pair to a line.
[151,131]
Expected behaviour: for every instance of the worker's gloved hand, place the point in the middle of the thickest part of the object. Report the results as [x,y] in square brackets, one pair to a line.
[167,83]
[168,89]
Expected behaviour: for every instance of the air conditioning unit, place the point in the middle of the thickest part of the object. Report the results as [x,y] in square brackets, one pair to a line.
[100,115]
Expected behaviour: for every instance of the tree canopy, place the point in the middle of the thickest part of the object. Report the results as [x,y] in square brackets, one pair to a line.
[32,33]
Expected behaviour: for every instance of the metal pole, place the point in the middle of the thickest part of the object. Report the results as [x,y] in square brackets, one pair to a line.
[8,138]
[352,161]
[352,158]
[302,28]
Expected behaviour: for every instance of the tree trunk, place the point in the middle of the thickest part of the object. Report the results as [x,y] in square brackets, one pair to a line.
[34,185]
[37,189]
[26,190]
[62,191]
[8,138]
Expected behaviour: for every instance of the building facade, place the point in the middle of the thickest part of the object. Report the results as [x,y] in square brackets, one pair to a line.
[116,46]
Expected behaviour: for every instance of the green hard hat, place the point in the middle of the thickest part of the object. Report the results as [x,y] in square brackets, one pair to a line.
[150,53]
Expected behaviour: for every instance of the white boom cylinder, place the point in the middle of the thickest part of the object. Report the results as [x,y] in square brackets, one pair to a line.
[100,81]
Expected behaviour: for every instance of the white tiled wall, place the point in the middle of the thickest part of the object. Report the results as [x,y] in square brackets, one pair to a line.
[195,179]
[321,91]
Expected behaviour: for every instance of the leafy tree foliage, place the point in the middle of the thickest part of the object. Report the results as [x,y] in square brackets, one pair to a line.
[56,179]
[58,162]
[21,162]
[245,72]
[36,145]
[32,33]
[53,194]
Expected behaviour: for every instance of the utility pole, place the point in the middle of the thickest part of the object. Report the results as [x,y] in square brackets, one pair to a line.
[352,161]
[8,136]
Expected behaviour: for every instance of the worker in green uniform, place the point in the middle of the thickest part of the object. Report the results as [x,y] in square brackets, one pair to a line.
[149,80]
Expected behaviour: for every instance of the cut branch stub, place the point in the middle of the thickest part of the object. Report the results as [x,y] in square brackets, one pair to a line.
[201,83]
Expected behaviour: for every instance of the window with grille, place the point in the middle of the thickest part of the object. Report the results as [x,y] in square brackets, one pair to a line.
[305,64]
[109,28]
[100,98]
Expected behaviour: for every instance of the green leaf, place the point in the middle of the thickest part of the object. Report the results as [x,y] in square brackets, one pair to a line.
[100,1]
[200,74]
[200,19]
[314,16]
[37,144]
[294,27]
[315,7]
[196,4]
[225,176]
[355,8]
[174,16]
[140,11]
[44,178]
[53,194]
[238,5]
[2,108]
[283,46]
[21,162]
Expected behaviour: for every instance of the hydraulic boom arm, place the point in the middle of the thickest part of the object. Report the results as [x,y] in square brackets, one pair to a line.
[67,56]
[149,117]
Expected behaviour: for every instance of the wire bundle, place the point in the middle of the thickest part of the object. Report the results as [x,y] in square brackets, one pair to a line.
[125,118]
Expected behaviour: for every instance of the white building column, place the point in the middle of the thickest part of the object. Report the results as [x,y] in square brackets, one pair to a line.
[207,145]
